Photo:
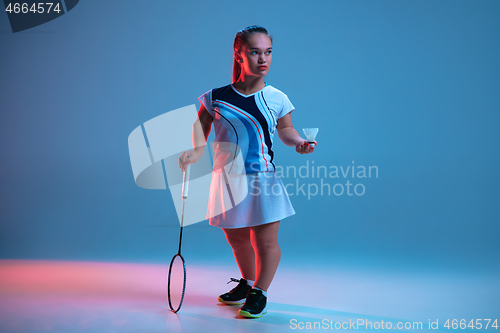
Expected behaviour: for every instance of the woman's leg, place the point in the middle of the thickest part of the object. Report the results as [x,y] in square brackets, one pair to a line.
[239,239]
[268,254]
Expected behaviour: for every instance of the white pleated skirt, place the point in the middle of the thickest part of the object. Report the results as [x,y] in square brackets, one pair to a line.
[239,201]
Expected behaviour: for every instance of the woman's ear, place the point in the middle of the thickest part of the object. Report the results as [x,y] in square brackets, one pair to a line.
[238,57]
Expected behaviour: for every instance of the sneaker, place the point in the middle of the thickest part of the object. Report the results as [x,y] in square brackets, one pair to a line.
[255,304]
[238,294]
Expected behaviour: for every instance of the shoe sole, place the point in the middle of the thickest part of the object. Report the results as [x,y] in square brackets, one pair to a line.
[240,302]
[247,314]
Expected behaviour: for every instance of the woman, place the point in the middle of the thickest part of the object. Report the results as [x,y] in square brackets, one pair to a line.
[247,113]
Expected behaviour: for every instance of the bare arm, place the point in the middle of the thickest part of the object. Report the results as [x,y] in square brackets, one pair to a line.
[201,130]
[291,137]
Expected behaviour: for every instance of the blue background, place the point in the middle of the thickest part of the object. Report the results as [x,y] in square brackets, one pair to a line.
[408,86]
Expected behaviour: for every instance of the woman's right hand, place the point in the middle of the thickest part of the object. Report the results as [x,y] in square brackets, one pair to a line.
[187,157]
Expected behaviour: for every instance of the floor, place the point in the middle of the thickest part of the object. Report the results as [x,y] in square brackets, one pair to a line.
[65,296]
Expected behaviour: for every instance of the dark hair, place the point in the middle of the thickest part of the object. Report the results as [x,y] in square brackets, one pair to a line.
[241,38]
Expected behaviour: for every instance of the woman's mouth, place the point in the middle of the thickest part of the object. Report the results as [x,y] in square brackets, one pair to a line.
[263,68]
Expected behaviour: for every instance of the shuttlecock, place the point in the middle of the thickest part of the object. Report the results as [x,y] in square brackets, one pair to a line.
[310,134]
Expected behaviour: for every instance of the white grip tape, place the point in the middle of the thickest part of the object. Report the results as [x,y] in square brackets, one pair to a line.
[185,182]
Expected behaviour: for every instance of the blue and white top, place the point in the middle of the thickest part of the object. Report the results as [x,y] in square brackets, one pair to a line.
[249,121]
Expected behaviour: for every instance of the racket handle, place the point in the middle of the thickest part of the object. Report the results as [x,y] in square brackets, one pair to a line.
[185,182]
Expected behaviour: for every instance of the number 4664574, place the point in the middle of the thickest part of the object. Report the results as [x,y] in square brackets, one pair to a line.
[477,324]
[40,9]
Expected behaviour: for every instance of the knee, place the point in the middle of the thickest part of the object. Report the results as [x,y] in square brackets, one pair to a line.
[240,243]
[264,246]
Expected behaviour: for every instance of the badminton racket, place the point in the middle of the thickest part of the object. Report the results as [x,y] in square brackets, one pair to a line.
[177,271]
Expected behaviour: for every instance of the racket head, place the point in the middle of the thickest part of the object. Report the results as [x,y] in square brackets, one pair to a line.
[176,282]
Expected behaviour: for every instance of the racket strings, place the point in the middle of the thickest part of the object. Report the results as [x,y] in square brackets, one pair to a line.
[177,283]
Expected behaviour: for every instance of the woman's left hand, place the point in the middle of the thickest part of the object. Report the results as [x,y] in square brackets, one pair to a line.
[304,147]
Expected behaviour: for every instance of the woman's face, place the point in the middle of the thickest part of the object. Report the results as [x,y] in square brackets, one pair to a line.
[256,55]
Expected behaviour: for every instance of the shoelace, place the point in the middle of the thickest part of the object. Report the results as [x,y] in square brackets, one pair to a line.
[239,288]
[233,280]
